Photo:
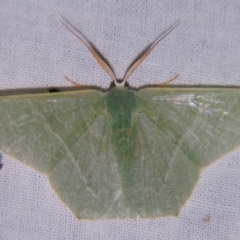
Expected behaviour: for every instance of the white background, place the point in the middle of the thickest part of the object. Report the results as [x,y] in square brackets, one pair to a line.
[36,51]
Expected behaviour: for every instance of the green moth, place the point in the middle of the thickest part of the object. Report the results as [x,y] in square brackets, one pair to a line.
[121,153]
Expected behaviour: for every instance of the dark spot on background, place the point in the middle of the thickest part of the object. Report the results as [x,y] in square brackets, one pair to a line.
[53,90]
[1,164]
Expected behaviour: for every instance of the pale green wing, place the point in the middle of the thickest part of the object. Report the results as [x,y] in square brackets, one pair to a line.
[68,137]
[177,132]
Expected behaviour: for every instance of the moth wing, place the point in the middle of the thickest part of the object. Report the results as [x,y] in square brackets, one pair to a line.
[67,136]
[177,133]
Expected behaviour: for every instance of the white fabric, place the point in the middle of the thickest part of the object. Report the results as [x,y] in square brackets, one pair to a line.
[36,50]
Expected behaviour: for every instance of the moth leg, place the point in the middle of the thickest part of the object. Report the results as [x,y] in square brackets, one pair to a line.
[76,84]
[165,84]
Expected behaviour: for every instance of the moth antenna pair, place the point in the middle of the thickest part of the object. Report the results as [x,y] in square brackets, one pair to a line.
[136,62]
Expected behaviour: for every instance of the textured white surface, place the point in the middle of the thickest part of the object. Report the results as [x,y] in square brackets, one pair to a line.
[37,51]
